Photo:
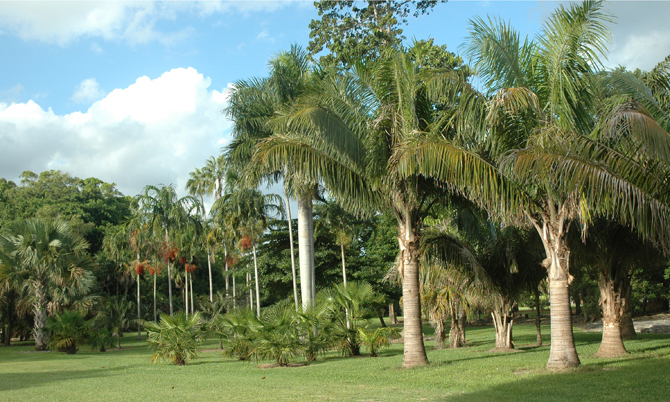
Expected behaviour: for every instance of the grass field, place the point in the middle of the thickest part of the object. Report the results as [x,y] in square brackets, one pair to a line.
[472,373]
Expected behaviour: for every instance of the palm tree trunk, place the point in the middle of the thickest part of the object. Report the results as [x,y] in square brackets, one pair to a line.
[251,292]
[40,308]
[155,274]
[191,285]
[392,316]
[258,295]
[562,353]
[234,293]
[225,267]
[167,240]
[440,335]
[306,249]
[610,301]
[344,265]
[139,333]
[503,323]
[186,293]
[414,349]
[290,238]
[209,270]
[538,317]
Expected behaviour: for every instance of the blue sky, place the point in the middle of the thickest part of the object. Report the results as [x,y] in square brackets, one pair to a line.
[132,92]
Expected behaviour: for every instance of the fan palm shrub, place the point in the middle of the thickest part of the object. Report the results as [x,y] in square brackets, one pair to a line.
[68,331]
[277,337]
[236,330]
[176,338]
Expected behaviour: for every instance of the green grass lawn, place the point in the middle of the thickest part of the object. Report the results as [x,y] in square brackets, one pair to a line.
[468,374]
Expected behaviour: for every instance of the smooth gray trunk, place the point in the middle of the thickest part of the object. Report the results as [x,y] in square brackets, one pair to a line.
[258,295]
[290,237]
[139,333]
[191,284]
[344,266]
[306,250]
[209,269]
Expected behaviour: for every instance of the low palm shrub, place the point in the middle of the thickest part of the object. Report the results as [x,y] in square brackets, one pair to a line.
[101,339]
[377,339]
[176,338]
[277,336]
[68,331]
[236,332]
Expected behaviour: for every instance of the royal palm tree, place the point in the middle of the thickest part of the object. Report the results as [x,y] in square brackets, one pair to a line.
[201,182]
[252,104]
[52,263]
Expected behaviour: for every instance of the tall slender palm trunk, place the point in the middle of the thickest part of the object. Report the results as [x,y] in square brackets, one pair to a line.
[191,285]
[251,292]
[167,240]
[139,315]
[306,250]
[290,237]
[155,311]
[209,270]
[344,265]
[258,295]
[186,293]
[225,268]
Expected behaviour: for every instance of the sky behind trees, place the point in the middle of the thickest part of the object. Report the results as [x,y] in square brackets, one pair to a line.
[132,93]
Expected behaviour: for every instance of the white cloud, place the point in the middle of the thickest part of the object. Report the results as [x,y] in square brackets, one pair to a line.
[151,131]
[132,21]
[87,91]
[641,34]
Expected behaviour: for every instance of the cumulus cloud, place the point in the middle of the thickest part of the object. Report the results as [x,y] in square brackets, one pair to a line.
[87,91]
[641,34]
[153,131]
[135,22]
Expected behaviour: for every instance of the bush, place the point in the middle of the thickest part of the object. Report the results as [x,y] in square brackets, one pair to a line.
[176,338]
[68,331]
[276,337]
[378,338]
[236,332]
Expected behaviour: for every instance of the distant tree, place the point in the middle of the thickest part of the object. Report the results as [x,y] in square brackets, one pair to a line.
[359,29]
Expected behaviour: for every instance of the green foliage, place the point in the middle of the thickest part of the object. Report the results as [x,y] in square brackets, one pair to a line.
[377,338]
[351,31]
[277,336]
[68,330]
[176,338]
[100,338]
[237,332]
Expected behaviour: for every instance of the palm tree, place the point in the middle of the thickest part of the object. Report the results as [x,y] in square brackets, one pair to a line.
[341,223]
[166,211]
[355,126]
[249,211]
[253,103]
[51,261]
[201,182]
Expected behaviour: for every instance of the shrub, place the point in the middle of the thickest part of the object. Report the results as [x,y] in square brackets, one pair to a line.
[68,331]
[378,338]
[276,337]
[236,332]
[176,338]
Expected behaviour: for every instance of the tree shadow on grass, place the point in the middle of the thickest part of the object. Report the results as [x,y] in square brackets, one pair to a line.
[626,379]
[15,381]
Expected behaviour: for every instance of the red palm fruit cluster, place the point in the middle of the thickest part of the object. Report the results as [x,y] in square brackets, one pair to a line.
[170,254]
[245,242]
[190,267]
[231,261]
[139,268]
[182,260]
[154,270]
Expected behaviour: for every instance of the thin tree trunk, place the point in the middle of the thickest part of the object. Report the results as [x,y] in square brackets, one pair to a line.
[251,293]
[155,274]
[380,314]
[167,239]
[290,238]
[344,265]
[414,348]
[225,253]
[234,293]
[209,270]
[191,285]
[392,316]
[186,293]
[306,249]
[258,295]
[538,318]
[139,333]
[40,308]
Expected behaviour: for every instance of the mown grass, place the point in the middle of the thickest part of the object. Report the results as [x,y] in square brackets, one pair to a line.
[473,373]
